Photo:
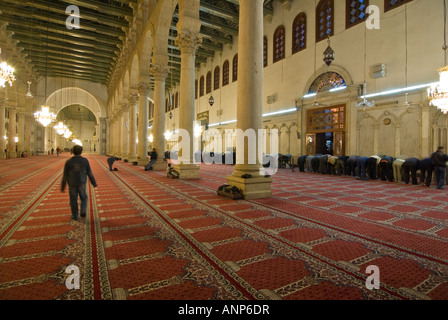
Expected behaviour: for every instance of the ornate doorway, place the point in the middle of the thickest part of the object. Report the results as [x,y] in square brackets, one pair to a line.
[326,131]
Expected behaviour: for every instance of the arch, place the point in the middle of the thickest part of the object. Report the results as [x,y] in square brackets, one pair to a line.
[332,69]
[279,40]
[73,95]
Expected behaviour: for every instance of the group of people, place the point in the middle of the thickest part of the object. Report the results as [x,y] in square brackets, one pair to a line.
[387,168]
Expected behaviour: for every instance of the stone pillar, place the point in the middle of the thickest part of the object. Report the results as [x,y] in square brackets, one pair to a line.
[125,132]
[142,158]
[133,103]
[188,44]
[120,127]
[249,100]
[2,130]
[28,123]
[160,73]
[21,133]
[12,133]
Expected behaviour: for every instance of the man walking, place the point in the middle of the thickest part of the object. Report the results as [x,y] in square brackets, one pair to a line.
[439,159]
[76,171]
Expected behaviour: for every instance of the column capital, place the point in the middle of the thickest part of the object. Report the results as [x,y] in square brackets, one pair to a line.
[133,99]
[188,42]
[143,88]
[125,107]
[160,72]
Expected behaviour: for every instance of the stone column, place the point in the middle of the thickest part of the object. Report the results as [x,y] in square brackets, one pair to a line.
[188,44]
[2,130]
[120,127]
[28,123]
[249,100]
[133,103]
[21,133]
[142,158]
[125,132]
[160,73]
[12,133]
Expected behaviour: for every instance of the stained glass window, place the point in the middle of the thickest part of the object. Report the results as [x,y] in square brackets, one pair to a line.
[392,4]
[225,73]
[265,51]
[279,44]
[201,87]
[356,12]
[327,81]
[216,78]
[208,85]
[235,68]
[299,33]
[324,20]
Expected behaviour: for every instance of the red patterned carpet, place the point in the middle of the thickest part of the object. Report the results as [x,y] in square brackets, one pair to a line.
[147,237]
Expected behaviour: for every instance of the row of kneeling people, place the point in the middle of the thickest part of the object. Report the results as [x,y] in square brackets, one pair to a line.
[387,168]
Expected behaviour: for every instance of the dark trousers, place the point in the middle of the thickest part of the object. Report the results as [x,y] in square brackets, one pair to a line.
[426,176]
[74,192]
[440,173]
[149,166]
[386,171]
[372,168]
[408,172]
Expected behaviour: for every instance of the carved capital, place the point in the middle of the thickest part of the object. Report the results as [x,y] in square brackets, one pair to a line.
[160,72]
[143,88]
[133,99]
[188,42]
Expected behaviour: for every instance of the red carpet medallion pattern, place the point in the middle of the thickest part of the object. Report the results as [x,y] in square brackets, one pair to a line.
[150,237]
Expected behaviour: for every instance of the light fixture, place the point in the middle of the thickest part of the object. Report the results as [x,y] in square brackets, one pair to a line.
[329,54]
[364,103]
[6,73]
[60,128]
[168,135]
[29,95]
[438,93]
[151,138]
[45,117]
[211,101]
[170,115]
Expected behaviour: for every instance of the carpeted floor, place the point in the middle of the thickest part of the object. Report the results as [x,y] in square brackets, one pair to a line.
[154,238]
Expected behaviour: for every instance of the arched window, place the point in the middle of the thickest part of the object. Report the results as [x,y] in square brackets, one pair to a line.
[235,68]
[225,73]
[201,86]
[392,4]
[356,12]
[324,20]
[176,105]
[196,89]
[216,76]
[208,85]
[279,44]
[265,51]
[299,33]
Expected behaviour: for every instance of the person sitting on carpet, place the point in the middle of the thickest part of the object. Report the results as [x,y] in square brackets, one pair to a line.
[76,171]
[170,171]
[153,156]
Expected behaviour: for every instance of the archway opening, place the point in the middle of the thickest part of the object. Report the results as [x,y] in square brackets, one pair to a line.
[82,122]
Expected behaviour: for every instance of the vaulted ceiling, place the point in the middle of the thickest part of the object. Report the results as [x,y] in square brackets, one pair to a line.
[91,53]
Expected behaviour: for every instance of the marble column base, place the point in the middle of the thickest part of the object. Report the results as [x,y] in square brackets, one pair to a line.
[12,154]
[160,165]
[187,171]
[252,188]
[143,162]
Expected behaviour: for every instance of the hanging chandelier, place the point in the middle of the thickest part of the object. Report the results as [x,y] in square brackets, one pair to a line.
[329,54]
[60,128]
[45,117]
[6,73]
[364,103]
[438,93]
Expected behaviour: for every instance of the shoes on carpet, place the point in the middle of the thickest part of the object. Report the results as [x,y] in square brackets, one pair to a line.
[83,215]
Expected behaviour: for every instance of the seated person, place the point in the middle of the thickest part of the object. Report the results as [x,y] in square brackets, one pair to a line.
[170,171]
[153,156]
